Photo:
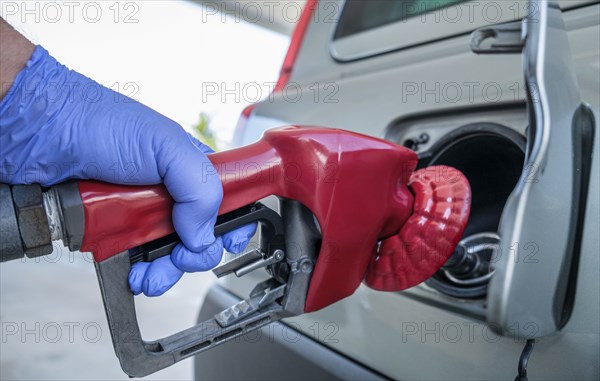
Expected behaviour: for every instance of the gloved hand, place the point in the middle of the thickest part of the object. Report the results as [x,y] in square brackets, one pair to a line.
[57,124]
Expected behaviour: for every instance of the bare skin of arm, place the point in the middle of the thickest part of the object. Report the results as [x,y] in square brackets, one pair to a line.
[15,51]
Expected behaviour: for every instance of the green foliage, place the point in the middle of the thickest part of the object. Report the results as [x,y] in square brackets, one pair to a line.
[202,131]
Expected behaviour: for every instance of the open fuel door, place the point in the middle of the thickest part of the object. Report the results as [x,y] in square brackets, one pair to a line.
[533,289]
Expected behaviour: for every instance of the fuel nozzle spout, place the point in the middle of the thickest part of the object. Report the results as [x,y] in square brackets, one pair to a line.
[464,264]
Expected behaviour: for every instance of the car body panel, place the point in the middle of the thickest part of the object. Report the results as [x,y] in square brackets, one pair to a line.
[421,334]
[275,352]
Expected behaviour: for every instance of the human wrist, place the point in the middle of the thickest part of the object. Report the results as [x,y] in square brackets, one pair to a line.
[16,51]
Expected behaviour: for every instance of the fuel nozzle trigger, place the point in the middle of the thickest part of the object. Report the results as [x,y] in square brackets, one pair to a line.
[282,295]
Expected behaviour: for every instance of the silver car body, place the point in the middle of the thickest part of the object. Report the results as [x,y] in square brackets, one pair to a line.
[420,76]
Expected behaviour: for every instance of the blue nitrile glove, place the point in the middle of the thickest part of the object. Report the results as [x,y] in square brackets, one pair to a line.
[57,124]
[234,241]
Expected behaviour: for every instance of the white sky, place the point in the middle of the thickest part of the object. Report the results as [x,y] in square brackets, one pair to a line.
[166,52]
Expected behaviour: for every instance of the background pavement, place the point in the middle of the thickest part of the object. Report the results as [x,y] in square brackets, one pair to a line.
[53,324]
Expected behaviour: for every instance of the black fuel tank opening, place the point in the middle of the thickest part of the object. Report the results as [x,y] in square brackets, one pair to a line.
[491,156]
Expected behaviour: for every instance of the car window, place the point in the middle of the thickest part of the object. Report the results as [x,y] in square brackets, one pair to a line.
[370,28]
[360,16]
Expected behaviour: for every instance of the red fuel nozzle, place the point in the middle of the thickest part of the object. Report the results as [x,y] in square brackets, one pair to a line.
[362,191]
